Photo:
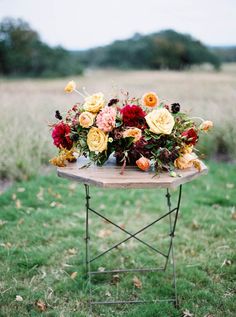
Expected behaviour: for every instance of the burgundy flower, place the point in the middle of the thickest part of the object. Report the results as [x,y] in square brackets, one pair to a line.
[190,136]
[61,136]
[133,116]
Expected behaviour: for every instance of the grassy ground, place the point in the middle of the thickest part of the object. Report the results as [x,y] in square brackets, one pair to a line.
[26,106]
[42,248]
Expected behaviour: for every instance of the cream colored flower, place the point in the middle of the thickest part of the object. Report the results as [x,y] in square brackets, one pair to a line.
[206,125]
[86,119]
[70,86]
[160,121]
[94,102]
[133,132]
[185,161]
[97,140]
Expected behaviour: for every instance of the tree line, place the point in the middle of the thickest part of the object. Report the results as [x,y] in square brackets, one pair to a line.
[23,53]
[163,50]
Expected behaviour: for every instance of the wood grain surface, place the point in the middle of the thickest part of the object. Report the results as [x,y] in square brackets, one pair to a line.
[109,176]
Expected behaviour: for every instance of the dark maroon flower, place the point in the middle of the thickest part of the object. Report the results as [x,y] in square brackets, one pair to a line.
[113,102]
[190,136]
[175,107]
[61,136]
[58,115]
[75,108]
[133,116]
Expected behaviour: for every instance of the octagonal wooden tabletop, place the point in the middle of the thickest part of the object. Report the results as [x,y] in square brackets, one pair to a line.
[109,175]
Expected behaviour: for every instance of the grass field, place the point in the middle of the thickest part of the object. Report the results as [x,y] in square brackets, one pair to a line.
[26,106]
[42,248]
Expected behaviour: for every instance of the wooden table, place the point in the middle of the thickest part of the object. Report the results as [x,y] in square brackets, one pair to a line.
[108,176]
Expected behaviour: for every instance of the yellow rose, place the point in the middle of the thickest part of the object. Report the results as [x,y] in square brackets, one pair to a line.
[206,125]
[97,140]
[70,86]
[86,119]
[185,161]
[160,121]
[133,132]
[94,102]
[187,149]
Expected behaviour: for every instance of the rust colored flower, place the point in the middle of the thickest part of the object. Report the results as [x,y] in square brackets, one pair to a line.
[143,163]
[150,99]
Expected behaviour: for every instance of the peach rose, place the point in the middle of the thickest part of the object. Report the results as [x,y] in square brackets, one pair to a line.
[143,163]
[86,119]
[160,121]
[94,103]
[97,140]
[133,132]
[150,99]
[185,161]
[206,126]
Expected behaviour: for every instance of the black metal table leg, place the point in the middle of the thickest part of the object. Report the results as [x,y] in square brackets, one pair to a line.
[172,213]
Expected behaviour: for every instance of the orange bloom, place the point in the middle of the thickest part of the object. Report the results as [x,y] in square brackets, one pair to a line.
[150,99]
[143,163]
[206,126]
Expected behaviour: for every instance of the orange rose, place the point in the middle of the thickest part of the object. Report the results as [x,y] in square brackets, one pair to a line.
[133,132]
[150,99]
[206,125]
[143,163]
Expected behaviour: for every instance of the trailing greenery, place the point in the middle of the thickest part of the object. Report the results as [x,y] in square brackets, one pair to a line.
[22,53]
[163,50]
[42,248]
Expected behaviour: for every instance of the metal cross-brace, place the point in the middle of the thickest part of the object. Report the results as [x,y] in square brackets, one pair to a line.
[169,254]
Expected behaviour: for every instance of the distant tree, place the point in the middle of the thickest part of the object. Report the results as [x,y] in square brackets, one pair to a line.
[225,54]
[22,53]
[164,50]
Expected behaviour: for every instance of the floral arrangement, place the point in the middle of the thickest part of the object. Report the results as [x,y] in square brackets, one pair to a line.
[145,132]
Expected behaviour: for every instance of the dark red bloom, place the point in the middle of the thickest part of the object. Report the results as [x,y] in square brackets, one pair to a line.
[61,136]
[133,116]
[190,136]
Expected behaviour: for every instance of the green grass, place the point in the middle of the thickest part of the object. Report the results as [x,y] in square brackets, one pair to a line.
[42,244]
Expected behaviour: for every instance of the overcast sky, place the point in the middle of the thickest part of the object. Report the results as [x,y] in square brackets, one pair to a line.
[78,24]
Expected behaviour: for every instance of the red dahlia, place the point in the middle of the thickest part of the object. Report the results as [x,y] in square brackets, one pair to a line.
[61,136]
[190,136]
[133,116]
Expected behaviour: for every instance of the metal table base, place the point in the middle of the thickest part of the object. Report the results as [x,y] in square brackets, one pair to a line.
[172,214]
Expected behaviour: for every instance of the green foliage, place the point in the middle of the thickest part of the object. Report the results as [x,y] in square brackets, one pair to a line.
[22,53]
[225,54]
[164,50]
[42,244]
